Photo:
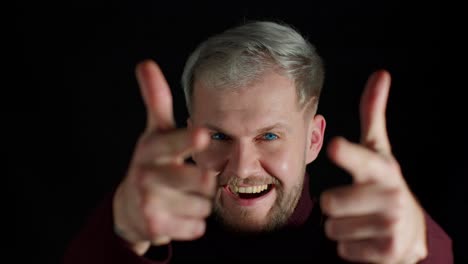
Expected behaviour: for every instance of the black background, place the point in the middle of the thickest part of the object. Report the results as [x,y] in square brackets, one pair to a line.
[77,112]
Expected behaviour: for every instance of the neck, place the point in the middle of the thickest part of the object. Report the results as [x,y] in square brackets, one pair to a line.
[303,208]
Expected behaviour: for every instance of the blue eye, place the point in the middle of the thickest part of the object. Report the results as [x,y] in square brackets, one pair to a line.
[218,136]
[270,136]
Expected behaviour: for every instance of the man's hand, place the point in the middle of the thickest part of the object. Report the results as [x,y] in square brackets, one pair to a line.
[376,219]
[161,198]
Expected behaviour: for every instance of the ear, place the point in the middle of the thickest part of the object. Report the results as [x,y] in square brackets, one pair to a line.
[316,130]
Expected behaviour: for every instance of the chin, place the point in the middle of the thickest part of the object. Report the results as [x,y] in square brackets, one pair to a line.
[259,218]
[246,223]
[245,227]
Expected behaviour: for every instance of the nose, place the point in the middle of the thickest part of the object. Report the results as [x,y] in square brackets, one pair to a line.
[243,160]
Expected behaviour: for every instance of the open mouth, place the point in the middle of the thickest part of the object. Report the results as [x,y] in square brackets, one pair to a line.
[251,192]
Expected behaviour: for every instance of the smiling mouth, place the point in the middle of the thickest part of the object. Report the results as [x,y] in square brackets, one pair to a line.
[250,192]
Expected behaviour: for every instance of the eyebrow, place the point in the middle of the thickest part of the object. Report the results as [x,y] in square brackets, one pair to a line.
[279,125]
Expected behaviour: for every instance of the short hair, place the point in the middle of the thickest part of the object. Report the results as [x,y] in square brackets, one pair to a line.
[241,55]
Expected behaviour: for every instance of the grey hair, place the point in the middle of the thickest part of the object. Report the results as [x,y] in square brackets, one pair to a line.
[241,55]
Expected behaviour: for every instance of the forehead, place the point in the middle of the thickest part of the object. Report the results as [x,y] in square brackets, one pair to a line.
[270,99]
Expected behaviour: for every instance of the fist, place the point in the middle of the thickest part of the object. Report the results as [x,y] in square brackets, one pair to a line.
[376,219]
[162,198]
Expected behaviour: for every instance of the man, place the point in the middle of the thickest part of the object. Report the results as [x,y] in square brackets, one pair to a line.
[252,93]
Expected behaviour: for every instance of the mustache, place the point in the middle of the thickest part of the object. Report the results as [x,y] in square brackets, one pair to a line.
[254,179]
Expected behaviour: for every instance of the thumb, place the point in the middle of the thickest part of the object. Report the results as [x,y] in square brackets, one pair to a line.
[372,112]
[156,96]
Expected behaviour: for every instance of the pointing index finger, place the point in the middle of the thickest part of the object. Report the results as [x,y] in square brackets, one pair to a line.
[172,147]
[363,164]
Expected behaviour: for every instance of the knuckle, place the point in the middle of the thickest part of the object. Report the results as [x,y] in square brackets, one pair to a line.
[389,227]
[208,183]
[330,228]
[389,224]
[327,203]
[396,199]
[350,252]
[199,229]
[365,252]
[154,230]
[151,208]
[390,250]
[156,225]
[205,208]
[343,250]
[146,212]
[145,207]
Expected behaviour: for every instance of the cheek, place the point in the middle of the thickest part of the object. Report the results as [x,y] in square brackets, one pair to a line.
[285,163]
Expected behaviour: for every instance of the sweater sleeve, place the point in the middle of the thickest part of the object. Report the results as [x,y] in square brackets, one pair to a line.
[97,243]
[439,244]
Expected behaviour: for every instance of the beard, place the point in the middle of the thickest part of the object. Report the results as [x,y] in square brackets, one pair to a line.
[245,221]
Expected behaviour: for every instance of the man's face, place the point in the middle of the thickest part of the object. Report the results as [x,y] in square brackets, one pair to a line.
[261,141]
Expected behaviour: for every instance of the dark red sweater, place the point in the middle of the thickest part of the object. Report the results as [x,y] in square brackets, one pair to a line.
[303,239]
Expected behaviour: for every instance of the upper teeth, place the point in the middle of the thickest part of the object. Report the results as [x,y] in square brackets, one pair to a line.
[250,189]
